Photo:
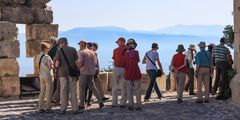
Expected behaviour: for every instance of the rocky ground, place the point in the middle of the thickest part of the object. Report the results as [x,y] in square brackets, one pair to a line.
[166,109]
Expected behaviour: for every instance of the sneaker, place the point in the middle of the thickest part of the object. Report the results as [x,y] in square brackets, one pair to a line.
[62,112]
[105,98]
[81,108]
[49,111]
[146,100]
[101,105]
[122,106]
[139,108]
[199,101]
[130,108]
[41,111]
[89,104]
[76,112]
[179,101]
[114,106]
[192,93]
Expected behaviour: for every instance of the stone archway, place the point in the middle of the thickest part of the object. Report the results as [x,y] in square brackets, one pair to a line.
[38,18]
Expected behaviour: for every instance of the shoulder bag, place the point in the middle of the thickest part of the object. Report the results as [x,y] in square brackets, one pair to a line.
[159,71]
[73,72]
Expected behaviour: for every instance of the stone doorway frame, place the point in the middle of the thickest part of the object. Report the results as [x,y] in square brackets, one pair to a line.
[38,18]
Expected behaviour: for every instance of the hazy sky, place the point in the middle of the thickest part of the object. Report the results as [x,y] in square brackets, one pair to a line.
[140,14]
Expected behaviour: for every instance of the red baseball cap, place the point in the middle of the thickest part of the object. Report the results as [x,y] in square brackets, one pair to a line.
[82,41]
[121,39]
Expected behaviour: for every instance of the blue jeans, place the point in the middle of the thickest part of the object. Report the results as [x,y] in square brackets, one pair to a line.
[152,75]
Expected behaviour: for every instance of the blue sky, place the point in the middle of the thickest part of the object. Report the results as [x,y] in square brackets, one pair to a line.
[140,14]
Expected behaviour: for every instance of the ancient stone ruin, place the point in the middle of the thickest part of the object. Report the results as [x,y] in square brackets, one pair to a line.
[38,18]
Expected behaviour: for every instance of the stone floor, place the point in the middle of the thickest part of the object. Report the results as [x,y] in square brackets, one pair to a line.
[166,109]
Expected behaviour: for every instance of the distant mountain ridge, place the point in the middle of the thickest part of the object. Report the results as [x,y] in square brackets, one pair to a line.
[196,30]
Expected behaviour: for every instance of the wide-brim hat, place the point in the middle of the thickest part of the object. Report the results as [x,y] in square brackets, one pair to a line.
[180,48]
[202,44]
[192,47]
[62,40]
[121,39]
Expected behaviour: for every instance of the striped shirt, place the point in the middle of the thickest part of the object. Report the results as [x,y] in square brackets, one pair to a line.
[220,52]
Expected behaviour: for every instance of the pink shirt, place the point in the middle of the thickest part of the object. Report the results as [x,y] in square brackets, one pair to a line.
[89,61]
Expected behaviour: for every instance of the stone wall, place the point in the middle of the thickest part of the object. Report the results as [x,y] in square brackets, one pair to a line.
[106,80]
[235,82]
[9,68]
[38,18]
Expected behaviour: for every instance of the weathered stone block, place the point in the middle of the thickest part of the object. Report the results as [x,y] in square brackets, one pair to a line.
[41,16]
[8,31]
[9,86]
[235,87]
[11,2]
[103,77]
[20,15]
[9,48]
[34,2]
[9,67]
[41,31]
[110,80]
[33,47]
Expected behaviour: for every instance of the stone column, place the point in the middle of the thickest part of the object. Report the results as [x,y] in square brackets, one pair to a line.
[9,68]
[235,82]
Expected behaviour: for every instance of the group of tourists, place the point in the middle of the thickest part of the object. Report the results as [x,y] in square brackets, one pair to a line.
[61,68]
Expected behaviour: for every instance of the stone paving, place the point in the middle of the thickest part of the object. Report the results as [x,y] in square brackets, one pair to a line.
[166,109]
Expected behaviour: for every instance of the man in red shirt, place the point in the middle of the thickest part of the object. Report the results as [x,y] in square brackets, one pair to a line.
[118,73]
[178,65]
[132,74]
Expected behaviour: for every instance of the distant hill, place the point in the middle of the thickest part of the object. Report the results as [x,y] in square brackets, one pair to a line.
[197,30]
[106,37]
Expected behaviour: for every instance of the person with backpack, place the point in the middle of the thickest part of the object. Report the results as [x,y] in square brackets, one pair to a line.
[66,59]
[150,59]
[45,67]
[204,68]
[190,54]
[132,74]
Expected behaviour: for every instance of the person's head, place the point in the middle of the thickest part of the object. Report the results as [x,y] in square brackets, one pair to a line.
[192,47]
[44,47]
[154,46]
[211,46]
[89,45]
[202,45]
[94,46]
[222,41]
[53,41]
[131,44]
[62,42]
[180,49]
[82,44]
[121,41]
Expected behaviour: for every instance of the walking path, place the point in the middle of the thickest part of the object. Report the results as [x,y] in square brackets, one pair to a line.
[166,109]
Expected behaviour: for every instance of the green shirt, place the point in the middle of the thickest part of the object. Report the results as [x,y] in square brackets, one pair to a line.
[52,52]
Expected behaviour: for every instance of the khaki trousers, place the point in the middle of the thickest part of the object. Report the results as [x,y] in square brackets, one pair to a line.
[203,77]
[118,82]
[179,78]
[68,86]
[46,91]
[136,86]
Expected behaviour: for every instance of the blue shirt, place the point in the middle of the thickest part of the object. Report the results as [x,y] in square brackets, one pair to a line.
[203,58]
